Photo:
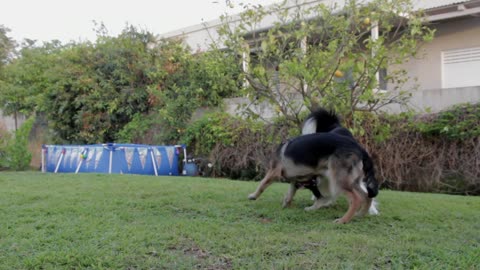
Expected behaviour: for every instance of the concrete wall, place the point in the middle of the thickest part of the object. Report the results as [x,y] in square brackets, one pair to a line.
[234,106]
[8,122]
[435,100]
[432,100]
[439,99]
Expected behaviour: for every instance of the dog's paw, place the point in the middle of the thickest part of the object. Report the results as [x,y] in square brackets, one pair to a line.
[340,221]
[373,211]
[320,203]
[252,197]
[312,208]
[287,201]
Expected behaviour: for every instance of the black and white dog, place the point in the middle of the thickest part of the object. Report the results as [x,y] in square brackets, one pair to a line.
[338,157]
[320,121]
[346,166]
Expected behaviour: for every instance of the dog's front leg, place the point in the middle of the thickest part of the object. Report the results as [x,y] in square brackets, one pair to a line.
[266,181]
[370,207]
[319,203]
[318,196]
[287,200]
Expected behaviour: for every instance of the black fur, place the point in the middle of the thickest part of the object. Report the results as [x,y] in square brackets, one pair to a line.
[328,121]
[309,149]
[310,185]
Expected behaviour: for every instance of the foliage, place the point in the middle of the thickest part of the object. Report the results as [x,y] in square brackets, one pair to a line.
[7,52]
[315,55]
[99,87]
[203,134]
[91,91]
[135,131]
[237,148]
[27,77]
[7,46]
[406,157]
[381,126]
[191,82]
[428,153]
[65,221]
[14,152]
[5,138]
[458,123]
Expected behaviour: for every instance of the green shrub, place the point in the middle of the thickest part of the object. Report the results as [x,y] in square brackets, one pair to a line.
[428,153]
[238,148]
[5,138]
[14,153]
[135,130]
[409,150]
[212,129]
[458,123]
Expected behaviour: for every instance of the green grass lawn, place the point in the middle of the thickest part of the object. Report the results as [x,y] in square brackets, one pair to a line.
[67,221]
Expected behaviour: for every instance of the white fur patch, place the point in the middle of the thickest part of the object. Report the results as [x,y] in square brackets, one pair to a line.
[363,187]
[373,210]
[309,127]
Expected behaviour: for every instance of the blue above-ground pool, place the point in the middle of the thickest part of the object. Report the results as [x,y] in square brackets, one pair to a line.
[112,158]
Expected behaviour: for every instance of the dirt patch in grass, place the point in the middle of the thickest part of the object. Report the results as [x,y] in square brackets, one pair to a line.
[204,258]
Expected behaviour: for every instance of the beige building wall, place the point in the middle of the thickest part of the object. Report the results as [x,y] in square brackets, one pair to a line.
[457,34]
[426,69]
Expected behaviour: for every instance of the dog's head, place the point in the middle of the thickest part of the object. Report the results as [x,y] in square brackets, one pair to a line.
[370,180]
[372,186]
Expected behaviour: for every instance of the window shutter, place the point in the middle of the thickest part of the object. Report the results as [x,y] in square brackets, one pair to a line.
[461,68]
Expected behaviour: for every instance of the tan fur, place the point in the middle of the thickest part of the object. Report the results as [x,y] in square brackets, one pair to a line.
[289,196]
[274,173]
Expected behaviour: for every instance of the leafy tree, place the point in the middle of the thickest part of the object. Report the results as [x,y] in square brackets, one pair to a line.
[14,153]
[7,49]
[7,46]
[315,55]
[27,77]
[99,87]
[102,91]
[187,82]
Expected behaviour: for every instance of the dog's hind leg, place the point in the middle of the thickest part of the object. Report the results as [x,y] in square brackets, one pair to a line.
[272,174]
[365,207]
[287,200]
[355,201]
[370,205]
[345,172]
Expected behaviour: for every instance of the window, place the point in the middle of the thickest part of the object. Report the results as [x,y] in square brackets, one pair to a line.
[460,68]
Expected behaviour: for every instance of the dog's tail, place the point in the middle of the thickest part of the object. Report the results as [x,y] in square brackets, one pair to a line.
[320,120]
[370,180]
